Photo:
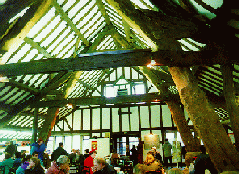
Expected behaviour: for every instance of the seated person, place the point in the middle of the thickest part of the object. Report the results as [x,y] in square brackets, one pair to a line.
[25,162]
[18,160]
[157,154]
[35,154]
[151,164]
[101,167]
[60,166]
[7,163]
[72,156]
[114,158]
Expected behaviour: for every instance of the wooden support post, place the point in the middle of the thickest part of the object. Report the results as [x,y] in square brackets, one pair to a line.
[49,123]
[179,119]
[231,100]
[35,126]
[206,122]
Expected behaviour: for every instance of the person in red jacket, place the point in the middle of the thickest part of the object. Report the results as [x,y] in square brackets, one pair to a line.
[89,162]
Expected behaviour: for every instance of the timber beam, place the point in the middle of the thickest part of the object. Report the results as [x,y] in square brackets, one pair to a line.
[152,97]
[130,58]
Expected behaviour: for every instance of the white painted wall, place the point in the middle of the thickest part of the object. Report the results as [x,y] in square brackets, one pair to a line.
[103,146]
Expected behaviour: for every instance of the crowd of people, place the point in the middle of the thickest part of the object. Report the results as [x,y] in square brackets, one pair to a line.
[38,162]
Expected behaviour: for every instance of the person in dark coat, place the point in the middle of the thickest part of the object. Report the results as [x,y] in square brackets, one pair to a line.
[17,162]
[134,155]
[11,149]
[203,162]
[58,152]
[101,167]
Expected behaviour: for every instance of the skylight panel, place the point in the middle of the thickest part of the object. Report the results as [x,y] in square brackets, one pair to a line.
[8,94]
[110,45]
[99,27]
[18,94]
[68,5]
[30,55]
[149,3]
[19,14]
[90,21]
[69,52]
[83,12]
[197,43]
[41,23]
[38,57]
[60,2]
[64,42]
[57,34]
[39,81]
[20,54]
[103,42]
[59,40]
[115,19]
[78,6]
[140,4]
[206,76]
[214,4]
[95,27]
[66,49]
[191,47]
[87,19]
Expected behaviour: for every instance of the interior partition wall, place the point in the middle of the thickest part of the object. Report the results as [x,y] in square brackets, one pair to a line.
[113,120]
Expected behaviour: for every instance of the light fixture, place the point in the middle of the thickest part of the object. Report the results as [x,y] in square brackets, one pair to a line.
[69,106]
[152,63]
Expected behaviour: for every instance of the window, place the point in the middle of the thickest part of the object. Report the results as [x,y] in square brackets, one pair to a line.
[133,141]
[113,90]
[121,145]
[138,88]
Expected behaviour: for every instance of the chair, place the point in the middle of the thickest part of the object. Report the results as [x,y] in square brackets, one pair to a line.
[128,167]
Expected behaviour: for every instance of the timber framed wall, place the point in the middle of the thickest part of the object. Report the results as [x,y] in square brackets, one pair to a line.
[102,121]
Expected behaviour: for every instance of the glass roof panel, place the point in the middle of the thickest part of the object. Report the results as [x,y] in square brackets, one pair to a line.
[40,24]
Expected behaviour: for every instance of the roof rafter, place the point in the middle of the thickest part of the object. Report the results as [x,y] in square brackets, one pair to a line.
[38,47]
[69,22]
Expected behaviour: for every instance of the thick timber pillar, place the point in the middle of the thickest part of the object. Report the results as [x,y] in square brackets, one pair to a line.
[231,100]
[191,143]
[49,123]
[206,122]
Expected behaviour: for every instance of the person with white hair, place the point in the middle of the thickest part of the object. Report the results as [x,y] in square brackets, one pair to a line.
[61,166]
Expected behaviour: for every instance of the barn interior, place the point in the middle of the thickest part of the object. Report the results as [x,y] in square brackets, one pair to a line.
[116,71]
